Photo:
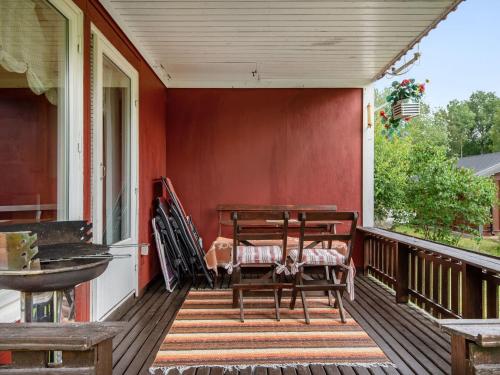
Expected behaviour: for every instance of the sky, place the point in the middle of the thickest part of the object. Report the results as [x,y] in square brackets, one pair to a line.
[460,56]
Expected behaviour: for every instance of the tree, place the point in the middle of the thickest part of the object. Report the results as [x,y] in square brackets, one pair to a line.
[458,121]
[417,183]
[426,128]
[484,105]
[391,170]
[444,201]
[495,132]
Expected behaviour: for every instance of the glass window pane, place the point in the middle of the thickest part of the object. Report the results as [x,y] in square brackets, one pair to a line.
[116,152]
[33,114]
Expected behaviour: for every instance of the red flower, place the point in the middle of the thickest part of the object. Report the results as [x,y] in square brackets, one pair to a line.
[405,82]
[407,119]
[382,113]
[421,88]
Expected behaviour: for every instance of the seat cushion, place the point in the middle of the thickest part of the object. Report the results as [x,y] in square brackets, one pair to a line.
[258,254]
[318,256]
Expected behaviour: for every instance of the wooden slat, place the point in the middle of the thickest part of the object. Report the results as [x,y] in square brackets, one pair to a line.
[50,336]
[489,263]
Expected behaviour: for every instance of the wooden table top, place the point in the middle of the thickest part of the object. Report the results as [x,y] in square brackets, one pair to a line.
[484,332]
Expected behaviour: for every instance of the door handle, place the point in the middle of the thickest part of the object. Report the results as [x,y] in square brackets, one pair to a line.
[103,171]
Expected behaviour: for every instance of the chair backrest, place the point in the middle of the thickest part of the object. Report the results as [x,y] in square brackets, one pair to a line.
[335,218]
[259,225]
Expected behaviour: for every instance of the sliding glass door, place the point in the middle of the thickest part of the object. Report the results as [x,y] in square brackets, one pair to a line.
[114,172]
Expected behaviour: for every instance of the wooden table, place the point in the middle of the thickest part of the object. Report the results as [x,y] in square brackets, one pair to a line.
[475,345]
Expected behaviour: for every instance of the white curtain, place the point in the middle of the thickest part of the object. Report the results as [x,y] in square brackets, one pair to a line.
[32,42]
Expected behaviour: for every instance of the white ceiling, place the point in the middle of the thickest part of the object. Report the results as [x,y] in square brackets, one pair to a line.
[280,43]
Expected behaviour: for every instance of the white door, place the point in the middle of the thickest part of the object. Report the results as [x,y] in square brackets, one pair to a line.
[114,172]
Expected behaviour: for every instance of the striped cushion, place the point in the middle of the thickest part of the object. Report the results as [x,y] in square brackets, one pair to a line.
[258,254]
[319,257]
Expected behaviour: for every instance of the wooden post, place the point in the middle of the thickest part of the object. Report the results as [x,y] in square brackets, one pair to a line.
[458,355]
[366,253]
[472,292]
[402,254]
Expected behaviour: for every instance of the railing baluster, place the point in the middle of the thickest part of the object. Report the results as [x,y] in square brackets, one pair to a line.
[445,278]
[427,280]
[435,283]
[455,289]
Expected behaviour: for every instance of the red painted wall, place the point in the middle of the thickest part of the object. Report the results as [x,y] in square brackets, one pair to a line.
[264,146]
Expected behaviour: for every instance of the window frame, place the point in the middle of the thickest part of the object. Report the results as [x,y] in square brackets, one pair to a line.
[72,170]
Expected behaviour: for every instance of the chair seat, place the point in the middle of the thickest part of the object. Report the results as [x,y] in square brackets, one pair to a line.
[258,254]
[318,257]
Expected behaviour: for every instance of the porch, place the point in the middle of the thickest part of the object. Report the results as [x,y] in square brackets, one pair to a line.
[252,107]
[408,338]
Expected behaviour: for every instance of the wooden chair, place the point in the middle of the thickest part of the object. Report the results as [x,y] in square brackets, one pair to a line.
[337,258]
[250,255]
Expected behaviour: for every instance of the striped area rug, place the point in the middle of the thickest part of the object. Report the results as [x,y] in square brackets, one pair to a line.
[207,332]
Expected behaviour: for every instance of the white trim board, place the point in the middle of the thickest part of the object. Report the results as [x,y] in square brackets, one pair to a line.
[368,157]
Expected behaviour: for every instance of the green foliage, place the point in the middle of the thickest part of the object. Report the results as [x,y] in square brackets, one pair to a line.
[426,129]
[472,124]
[495,132]
[391,169]
[446,201]
[417,183]
[458,119]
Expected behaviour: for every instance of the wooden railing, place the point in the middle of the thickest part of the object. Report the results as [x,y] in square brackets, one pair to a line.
[445,281]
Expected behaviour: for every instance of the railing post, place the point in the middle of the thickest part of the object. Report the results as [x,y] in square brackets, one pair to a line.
[472,292]
[366,253]
[402,256]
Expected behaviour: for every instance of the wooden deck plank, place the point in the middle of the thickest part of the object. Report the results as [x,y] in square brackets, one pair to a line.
[360,370]
[138,314]
[426,342]
[392,349]
[151,346]
[138,325]
[332,370]
[417,319]
[346,370]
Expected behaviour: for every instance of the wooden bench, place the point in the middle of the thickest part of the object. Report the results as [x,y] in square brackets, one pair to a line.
[475,345]
[86,347]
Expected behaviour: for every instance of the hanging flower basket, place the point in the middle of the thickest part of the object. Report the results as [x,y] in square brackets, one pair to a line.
[405,103]
[406,108]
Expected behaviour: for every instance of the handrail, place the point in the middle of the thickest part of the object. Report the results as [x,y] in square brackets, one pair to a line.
[446,281]
[487,262]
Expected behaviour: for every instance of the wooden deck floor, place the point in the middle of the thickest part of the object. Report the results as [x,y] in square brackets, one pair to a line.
[407,337]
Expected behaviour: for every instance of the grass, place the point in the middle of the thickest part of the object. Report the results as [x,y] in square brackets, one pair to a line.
[486,245]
